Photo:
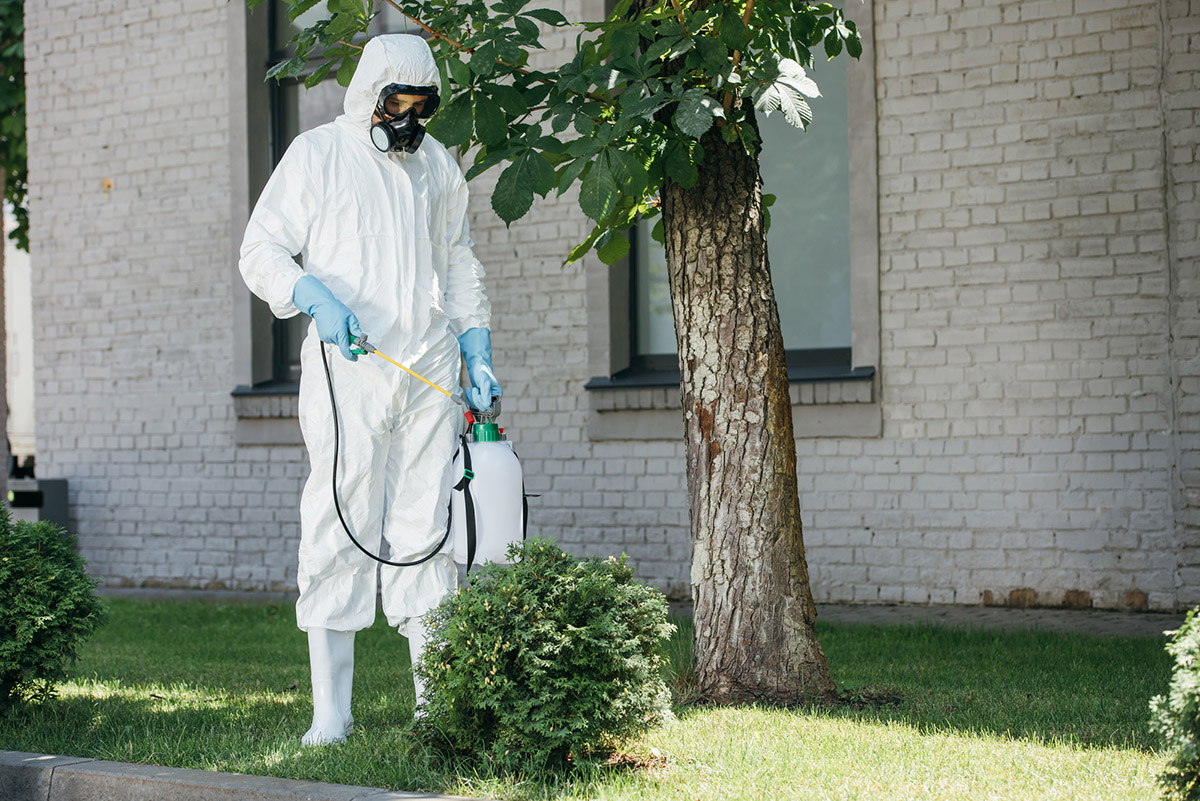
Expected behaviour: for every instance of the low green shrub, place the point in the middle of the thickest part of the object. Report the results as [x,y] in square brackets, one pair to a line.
[1176,715]
[48,605]
[547,662]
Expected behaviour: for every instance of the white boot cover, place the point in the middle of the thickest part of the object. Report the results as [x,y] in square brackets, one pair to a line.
[331,660]
[415,630]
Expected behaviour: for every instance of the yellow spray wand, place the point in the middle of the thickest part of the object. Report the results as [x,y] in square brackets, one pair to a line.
[362,347]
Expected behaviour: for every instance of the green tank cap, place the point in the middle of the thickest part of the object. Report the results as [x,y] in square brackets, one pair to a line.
[486,432]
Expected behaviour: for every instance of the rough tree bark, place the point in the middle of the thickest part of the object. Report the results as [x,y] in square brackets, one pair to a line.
[754,612]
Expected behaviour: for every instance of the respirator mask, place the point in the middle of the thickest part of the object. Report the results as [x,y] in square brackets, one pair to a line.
[401,132]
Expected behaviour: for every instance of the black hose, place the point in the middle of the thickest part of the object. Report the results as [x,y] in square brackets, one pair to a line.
[338,506]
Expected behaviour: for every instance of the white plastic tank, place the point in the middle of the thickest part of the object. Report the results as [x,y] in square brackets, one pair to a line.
[497,492]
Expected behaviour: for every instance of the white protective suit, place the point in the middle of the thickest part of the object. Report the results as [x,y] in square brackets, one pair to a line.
[387,234]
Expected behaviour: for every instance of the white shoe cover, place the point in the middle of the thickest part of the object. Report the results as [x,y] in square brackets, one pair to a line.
[416,632]
[331,660]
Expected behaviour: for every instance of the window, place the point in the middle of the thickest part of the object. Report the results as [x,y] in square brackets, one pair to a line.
[808,243]
[294,109]
[827,288]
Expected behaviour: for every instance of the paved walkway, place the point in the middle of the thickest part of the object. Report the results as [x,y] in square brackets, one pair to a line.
[1064,621]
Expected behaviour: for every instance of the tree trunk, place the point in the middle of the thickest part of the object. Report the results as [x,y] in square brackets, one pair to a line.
[754,612]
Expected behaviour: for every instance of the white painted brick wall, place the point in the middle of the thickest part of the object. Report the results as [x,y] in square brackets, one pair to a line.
[1026,309]
[1040,370]
[132,299]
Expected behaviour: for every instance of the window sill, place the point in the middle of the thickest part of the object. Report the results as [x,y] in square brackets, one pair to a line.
[267,415]
[826,402]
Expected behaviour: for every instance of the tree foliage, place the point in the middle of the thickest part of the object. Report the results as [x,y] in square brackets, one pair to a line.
[12,115]
[1176,715]
[623,116]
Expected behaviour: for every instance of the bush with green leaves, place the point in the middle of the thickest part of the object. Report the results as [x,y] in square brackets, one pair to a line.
[49,606]
[548,661]
[1176,715]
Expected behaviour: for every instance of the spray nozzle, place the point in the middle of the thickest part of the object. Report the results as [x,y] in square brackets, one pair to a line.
[361,346]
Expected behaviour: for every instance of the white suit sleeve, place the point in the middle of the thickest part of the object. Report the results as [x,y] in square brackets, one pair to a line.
[467,304]
[277,231]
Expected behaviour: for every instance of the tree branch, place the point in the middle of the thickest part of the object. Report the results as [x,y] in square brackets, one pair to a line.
[471,50]
[727,101]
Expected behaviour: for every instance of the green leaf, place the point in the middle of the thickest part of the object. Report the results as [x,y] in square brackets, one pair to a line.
[299,8]
[583,247]
[342,26]
[678,165]
[485,160]
[624,41]
[543,172]
[452,125]
[628,172]
[548,16]
[528,31]
[318,75]
[548,144]
[285,68]
[695,113]
[615,249]
[563,115]
[833,45]
[534,95]
[513,195]
[854,41]
[658,233]
[490,125]
[647,106]
[509,98]
[713,53]
[584,146]
[659,49]
[682,47]
[459,71]
[734,32]
[509,52]
[598,194]
[346,71]
[571,171]
[483,60]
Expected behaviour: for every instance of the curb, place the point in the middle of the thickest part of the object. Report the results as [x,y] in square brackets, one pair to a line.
[44,777]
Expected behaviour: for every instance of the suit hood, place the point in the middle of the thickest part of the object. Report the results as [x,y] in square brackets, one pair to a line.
[392,58]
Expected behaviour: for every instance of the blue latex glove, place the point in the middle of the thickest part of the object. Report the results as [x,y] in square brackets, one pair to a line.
[476,346]
[336,324]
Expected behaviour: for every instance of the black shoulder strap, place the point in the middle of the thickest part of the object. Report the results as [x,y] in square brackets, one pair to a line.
[464,484]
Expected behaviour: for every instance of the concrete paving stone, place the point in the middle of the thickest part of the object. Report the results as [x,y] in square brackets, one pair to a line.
[42,777]
[1062,621]
[27,776]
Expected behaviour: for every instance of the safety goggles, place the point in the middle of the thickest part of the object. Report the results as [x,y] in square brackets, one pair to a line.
[430,93]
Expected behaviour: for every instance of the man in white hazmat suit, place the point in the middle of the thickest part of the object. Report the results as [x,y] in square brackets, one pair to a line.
[377,213]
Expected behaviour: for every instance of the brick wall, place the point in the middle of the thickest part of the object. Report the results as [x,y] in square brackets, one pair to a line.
[1040,363]
[1029,451]
[132,296]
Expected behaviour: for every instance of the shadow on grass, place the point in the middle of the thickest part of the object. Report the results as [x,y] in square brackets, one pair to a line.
[1090,692]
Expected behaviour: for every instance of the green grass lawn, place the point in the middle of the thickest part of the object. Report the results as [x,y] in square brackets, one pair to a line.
[953,715]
